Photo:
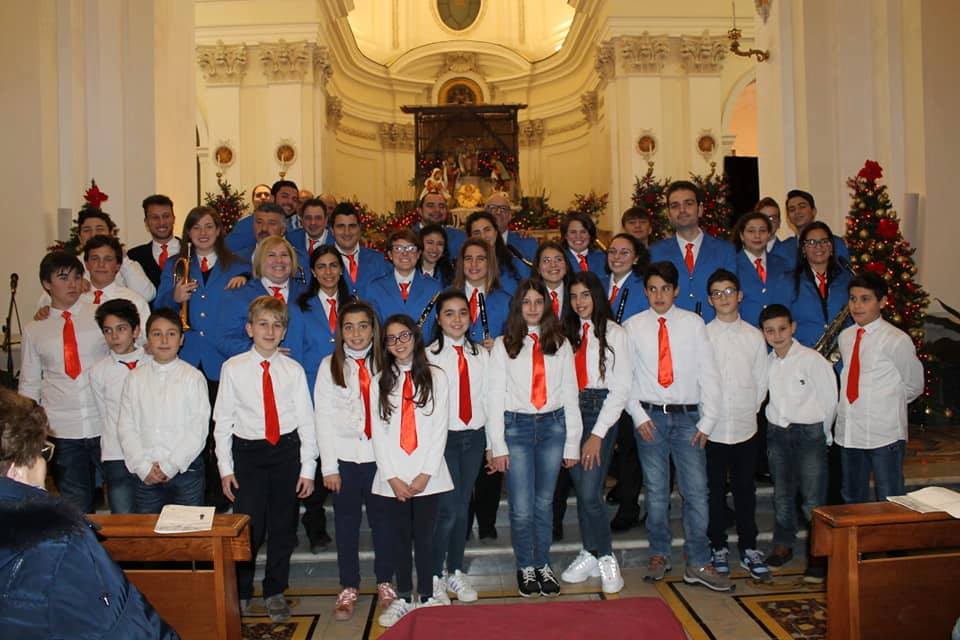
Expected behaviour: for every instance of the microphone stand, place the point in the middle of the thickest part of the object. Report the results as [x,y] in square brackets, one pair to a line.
[8,378]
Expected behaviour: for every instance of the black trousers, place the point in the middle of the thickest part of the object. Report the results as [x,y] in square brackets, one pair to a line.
[627,470]
[267,477]
[314,517]
[213,489]
[738,461]
[413,521]
[485,500]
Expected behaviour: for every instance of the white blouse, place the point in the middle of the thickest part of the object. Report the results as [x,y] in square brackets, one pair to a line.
[478,365]
[741,354]
[339,417]
[617,379]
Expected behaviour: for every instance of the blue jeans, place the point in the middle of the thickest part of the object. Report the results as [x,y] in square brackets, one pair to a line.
[672,435]
[76,466]
[591,506]
[887,465]
[798,463]
[184,488]
[121,486]
[464,455]
[535,444]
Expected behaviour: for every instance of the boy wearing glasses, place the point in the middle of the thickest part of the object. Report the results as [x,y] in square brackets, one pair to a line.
[741,356]
[266,448]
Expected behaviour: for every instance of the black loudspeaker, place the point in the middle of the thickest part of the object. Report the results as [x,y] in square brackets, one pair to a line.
[743,176]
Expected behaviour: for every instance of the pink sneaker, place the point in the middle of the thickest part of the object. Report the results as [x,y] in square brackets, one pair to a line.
[346,601]
[385,595]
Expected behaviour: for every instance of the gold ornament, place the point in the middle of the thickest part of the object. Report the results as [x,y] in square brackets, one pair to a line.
[928,411]
[468,196]
[865,258]
[948,413]
[888,277]
[864,234]
[905,276]
[897,318]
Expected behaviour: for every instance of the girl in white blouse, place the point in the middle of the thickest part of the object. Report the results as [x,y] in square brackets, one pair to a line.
[409,437]
[602,364]
[465,365]
[344,415]
[533,427]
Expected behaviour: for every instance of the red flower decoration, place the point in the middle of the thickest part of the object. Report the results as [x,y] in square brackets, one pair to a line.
[94,196]
[871,171]
[887,229]
[877,267]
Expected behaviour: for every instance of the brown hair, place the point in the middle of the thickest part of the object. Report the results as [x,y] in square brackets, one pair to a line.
[23,430]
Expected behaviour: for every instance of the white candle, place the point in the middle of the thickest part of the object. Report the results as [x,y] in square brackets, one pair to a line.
[733,6]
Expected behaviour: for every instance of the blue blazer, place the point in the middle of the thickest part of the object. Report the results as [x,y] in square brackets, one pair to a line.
[714,254]
[384,294]
[787,249]
[455,238]
[309,337]
[199,346]
[298,238]
[526,246]
[508,282]
[370,265]
[757,295]
[498,304]
[241,236]
[636,299]
[232,337]
[596,261]
[811,313]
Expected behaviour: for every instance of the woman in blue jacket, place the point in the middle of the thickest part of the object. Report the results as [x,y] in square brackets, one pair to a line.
[819,288]
[764,276]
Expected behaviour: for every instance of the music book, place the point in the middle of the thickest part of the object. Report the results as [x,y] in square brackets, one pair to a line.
[930,499]
[178,518]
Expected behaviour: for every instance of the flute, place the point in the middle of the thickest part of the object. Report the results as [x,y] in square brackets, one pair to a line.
[482,306]
[427,309]
[622,305]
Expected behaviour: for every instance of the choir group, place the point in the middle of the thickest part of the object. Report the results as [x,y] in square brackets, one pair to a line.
[285,361]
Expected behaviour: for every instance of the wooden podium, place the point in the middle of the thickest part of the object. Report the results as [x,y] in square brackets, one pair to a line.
[197,603]
[906,596]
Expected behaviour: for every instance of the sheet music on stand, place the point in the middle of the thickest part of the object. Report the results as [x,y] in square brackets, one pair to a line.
[178,518]
[930,500]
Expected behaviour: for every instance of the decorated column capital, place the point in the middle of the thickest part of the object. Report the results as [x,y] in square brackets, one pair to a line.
[703,53]
[222,64]
[323,69]
[590,106]
[334,111]
[396,136]
[532,132]
[286,61]
[643,53]
[606,62]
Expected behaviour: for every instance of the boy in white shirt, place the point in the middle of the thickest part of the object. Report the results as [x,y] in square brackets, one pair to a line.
[164,417]
[266,448]
[803,403]
[120,323]
[58,352]
[103,258]
[741,355]
[881,376]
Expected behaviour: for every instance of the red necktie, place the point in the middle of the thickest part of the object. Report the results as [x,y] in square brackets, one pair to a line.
[583,263]
[688,257]
[204,265]
[272,433]
[364,377]
[162,258]
[333,314]
[760,270]
[664,359]
[353,268]
[466,407]
[473,307]
[404,290]
[613,294]
[555,301]
[408,418]
[71,354]
[312,245]
[129,365]
[277,294]
[581,357]
[97,295]
[853,377]
[538,386]
[822,284]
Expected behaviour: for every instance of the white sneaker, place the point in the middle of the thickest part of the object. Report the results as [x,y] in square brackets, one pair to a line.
[397,609]
[583,566]
[440,590]
[433,601]
[459,585]
[610,579]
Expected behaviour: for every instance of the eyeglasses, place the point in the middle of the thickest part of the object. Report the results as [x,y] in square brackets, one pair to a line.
[402,338]
[404,248]
[810,242]
[723,293]
[623,253]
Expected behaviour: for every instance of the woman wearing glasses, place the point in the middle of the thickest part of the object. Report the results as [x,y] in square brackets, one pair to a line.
[627,261]
[56,580]
[819,291]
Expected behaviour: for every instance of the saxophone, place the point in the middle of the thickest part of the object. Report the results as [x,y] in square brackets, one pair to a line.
[827,343]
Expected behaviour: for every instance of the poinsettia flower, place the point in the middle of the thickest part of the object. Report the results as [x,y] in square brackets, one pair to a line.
[94,196]
[871,171]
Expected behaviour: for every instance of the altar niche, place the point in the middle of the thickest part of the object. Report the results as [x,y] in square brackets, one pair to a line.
[466,151]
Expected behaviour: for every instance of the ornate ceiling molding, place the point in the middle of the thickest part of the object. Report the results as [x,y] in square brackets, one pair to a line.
[460,62]
[286,61]
[702,54]
[222,64]
[334,112]
[590,106]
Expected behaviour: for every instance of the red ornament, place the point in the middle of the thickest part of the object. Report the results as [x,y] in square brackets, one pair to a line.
[874,266]
[871,171]
[887,229]
[94,196]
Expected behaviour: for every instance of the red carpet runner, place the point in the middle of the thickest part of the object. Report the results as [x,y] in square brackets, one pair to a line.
[633,618]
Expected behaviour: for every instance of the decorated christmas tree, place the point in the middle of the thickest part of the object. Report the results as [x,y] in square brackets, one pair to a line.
[876,244]
[649,194]
[590,204]
[93,199]
[230,204]
[717,218]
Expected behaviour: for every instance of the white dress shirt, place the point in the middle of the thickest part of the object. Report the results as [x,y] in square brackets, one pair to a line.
[617,379]
[695,376]
[340,419]
[114,291]
[431,419]
[891,377]
[752,259]
[697,243]
[269,285]
[509,385]
[68,402]
[173,248]
[107,378]
[741,354]
[131,275]
[316,243]
[164,417]
[478,365]
[239,407]
[803,389]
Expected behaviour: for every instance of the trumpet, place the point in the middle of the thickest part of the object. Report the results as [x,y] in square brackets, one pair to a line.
[181,273]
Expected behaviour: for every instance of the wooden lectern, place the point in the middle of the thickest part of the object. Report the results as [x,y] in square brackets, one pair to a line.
[906,596]
[197,603]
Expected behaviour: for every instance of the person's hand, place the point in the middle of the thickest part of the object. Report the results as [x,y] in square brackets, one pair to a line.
[569,463]
[332,482]
[590,453]
[646,430]
[699,439]
[85,286]
[42,313]
[156,476]
[419,483]
[236,282]
[304,487]
[228,484]
[184,291]
[400,489]
[499,463]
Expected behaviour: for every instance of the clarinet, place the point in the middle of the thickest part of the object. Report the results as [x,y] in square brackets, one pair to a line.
[482,306]
[519,256]
[623,304]
[427,309]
